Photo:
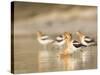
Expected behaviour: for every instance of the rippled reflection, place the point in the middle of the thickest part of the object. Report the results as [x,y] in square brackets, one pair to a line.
[48,60]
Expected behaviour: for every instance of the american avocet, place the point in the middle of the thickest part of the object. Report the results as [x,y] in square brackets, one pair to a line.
[43,39]
[59,41]
[85,40]
[72,45]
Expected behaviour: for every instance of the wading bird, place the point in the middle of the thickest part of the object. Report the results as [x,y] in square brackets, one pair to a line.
[72,45]
[59,41]
[85,40]
[43,39]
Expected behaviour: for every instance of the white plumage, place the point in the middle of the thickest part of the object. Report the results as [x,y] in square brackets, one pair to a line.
[85,40]
[59,41]
[43,39]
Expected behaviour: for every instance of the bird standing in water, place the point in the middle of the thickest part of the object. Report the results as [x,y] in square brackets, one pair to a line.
[59,41]
[43,39]
[85,40]
[72,45]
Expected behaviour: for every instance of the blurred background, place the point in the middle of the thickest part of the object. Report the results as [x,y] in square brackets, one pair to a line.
[51,19]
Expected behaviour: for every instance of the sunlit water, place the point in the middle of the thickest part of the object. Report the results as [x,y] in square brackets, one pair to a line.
[31,57]
[48,61]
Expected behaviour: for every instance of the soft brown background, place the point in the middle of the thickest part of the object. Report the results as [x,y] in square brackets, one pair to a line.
[51,19]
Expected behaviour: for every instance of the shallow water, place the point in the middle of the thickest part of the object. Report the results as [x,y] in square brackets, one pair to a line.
[29,56]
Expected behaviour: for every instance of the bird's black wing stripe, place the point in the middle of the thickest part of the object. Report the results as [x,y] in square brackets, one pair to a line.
[59,40]
[89,41]
[75,41]
[79,45]
[87,37]
[44,38]
[61,36]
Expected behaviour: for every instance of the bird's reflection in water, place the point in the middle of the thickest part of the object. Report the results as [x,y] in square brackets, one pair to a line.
[70,62]
[67,62]
[43,63]
[88,57]
[48,61]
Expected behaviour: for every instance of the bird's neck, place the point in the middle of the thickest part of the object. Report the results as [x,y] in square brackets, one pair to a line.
[68,43]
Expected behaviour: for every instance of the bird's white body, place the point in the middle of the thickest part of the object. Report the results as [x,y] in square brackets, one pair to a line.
[72,48]
[59,41]
[46,41]
[43,39]
[87,39]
